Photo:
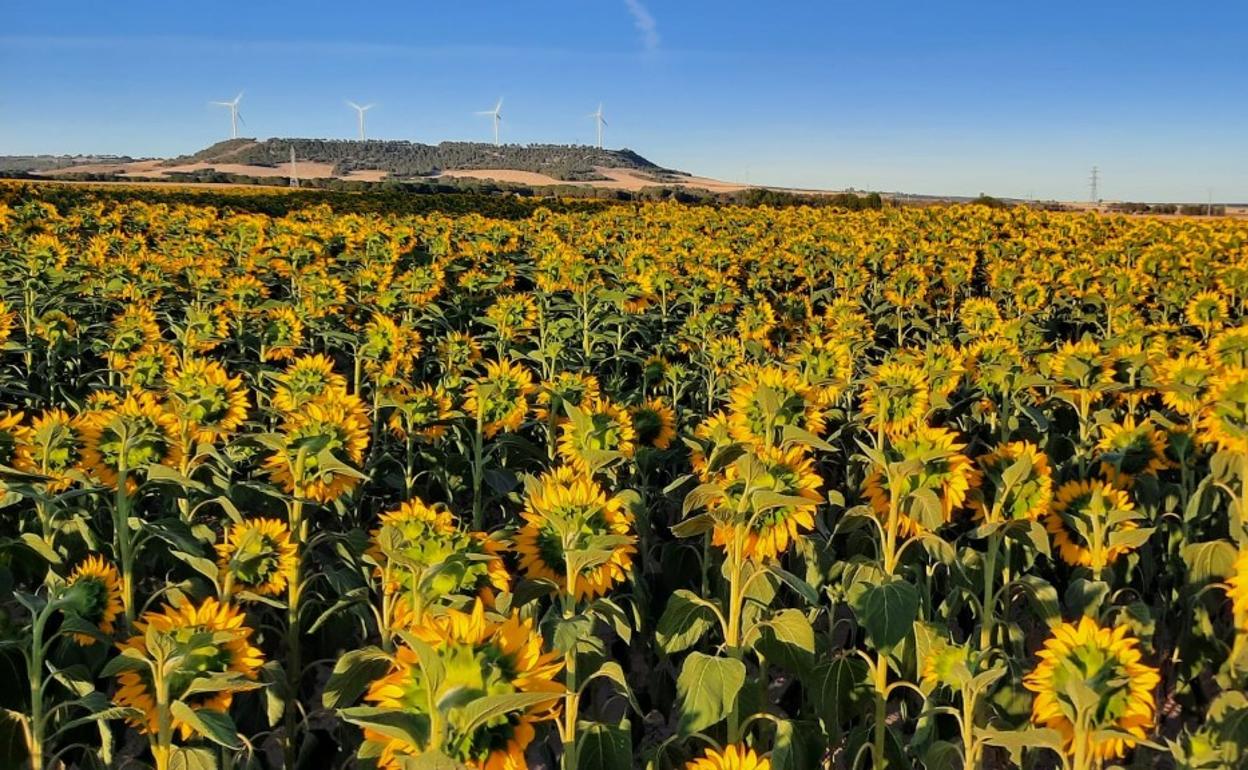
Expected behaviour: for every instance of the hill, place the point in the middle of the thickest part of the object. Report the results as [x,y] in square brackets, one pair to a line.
[410,160]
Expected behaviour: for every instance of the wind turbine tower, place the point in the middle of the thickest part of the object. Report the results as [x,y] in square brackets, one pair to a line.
[497,115]
[294,170]
[1094,183]
[600,121]
[234,113]
[360,112]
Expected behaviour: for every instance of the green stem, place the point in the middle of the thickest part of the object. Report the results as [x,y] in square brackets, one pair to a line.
[990,568]
[294,590]
[878,755]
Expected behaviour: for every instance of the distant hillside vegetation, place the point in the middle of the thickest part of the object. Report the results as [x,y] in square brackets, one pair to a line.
[23,163]
[403,159]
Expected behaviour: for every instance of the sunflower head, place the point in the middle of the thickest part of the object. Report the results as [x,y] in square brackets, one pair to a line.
[500,398]
[1237,592]
[257,556]
[1207,311]
[896,398]
[96,586]
[478,656]
[1017,483]
[206,399]
[1229,348]
[418,548]
[922,461]
[748,520]
[131,436]
[52,446]
[1184,381]
[734,756]
[320,444]
[768,399]
[282,333]
[1224,420]
[1130,449]
[1079,371]
[825,365]
[597,434]
[306,379]
[1093,678]
[199,641]
[566,516]
[1093,524]
[419,411]
[573,388]
[654,423]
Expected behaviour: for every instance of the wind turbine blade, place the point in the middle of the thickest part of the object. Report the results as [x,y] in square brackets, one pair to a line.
[499,106]
[369,107]
[239,115]
[604,121]
[353,105]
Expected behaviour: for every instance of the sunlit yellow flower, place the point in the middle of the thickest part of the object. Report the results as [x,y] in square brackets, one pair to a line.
[895,399]
[321,444]
[132,330]
[257,555]
[1184,381]
[1085,518]
[756,322]
[479,657]
[573,388]
[733,757]
[419,411]
[765,532]
[500,397]
[711,433]
[1108,663]
[1207,311]
[52,446]
[1130,449]
[131,436]
[1224,419]
[205,398]
[593,431]
[978,315]
[825,365]
[1237,592]
[567,511]
[230,651]
[1017,483]
[98,596]
[1079,372]
[943,470]
[765,400]
[282,333]
[1229,348]
[306,379]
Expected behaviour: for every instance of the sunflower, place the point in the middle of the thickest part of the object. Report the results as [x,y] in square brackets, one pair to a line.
[7,317]
[1130,449]
[978,315]
[257,555]
[52,447]
[185,631]
[1017,482]
[1106,662]
[1079,372]
[150,366]
[206,399]
[945,663]
[573,388]
[419,411]
[895,399]
[994,365]
[1224,420]
[756,323]
[1207,311]
[457,352]
[825,365]
[513,316]
[601,427]
[1085,519]
[568,511]
[12,436]
[1229,348]
[334,428]
[98,602]
[942,364]
[478,657]
[942,469]
[132,330]
[500,398]
[420,548]
[655,423]
[733,757]
[765,400]
[55,328]
[388,349]
[710,435]
[766,534]
[132,435]
[306,379]
[1183,382]
[282,333]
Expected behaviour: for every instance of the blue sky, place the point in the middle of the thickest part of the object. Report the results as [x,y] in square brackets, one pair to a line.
[936,97]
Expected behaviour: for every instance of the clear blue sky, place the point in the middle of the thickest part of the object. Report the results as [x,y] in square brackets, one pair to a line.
[1002,97]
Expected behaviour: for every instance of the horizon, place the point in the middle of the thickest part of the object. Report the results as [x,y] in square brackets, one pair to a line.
[957,100]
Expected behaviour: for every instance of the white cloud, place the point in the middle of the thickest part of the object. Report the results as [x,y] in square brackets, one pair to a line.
[645,24]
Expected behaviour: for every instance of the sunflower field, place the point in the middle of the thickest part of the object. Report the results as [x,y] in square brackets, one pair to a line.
[640,486]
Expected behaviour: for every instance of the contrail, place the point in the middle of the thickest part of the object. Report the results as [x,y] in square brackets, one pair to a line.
[645,25]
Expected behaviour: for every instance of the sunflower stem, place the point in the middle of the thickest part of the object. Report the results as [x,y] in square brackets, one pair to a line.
[989,609]
[878,756]
[294,589]
[478,471]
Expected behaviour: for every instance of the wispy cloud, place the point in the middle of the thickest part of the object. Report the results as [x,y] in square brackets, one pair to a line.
[645,24]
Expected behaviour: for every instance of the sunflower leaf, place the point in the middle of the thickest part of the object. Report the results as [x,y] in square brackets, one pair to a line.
[707,690]
[216,726]
[685,620]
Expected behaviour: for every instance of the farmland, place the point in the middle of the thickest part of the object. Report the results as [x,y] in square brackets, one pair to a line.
[613,486]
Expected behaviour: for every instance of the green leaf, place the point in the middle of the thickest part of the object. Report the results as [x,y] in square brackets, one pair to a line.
[226,682]
[783,751]
[706,690]
[887,610]
[403,725]
[41,547]
[789,640]
[482,710]
[352,674]
[430,760]
[604,747]
[1015,740]
[1085,597]
[803,589]
[192,759]
[216,726]
[1209,562]
[1043,598]
[685,620]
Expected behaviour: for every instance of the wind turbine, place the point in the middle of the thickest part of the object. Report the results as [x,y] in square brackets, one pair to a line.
[497,115]
[600,120]
[234,114]
[361,111]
